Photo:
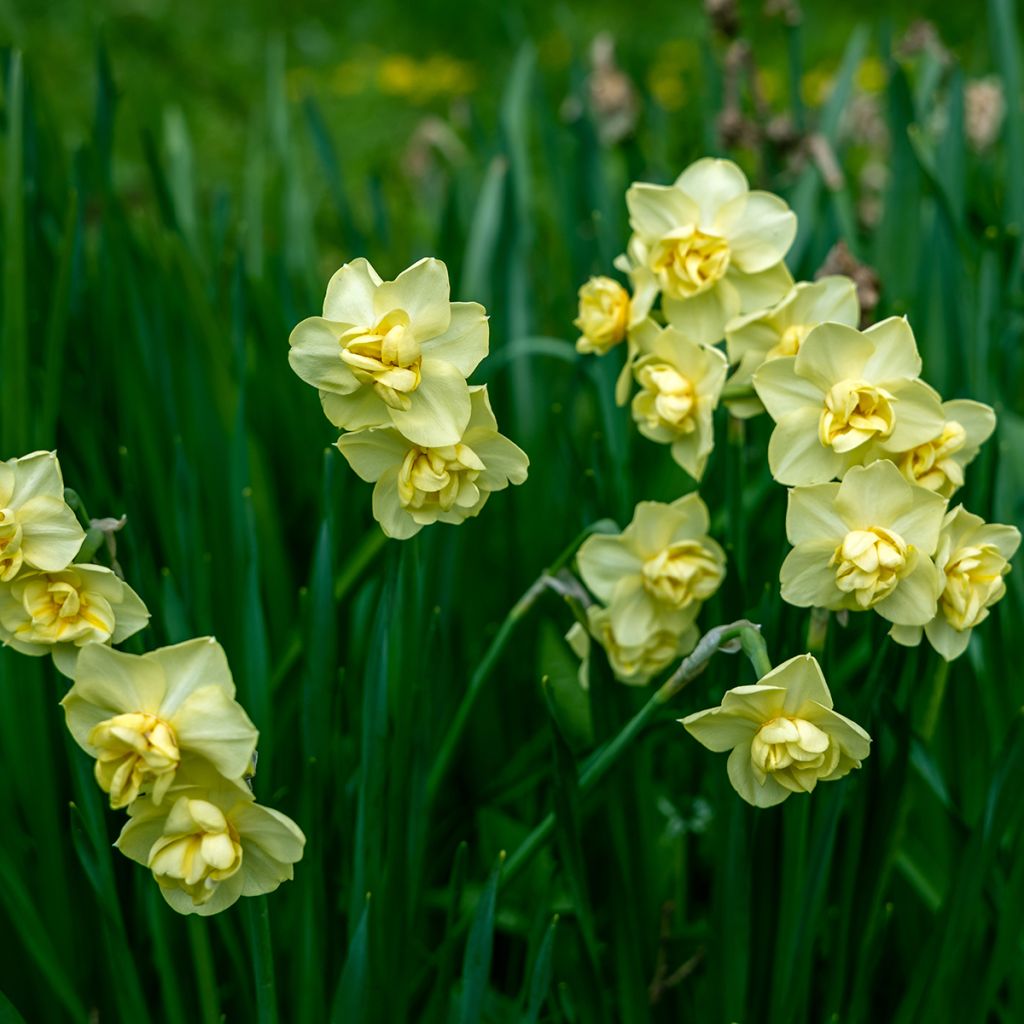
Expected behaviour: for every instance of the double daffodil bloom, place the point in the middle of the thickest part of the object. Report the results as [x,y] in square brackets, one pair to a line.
[865,543]
[418,485]
[37,529]
[712,248]
[972,558]
[603,316]
[845,398]
[633,664]
[783,733]
[767,334]
[680,384]
[393,352]
[207,847]
[939,463]
[656,574]
[143,716]
[60,613]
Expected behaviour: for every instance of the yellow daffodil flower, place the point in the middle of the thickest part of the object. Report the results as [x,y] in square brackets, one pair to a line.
[865,543]
[393,352]
[972,558]
[207,847]
[60,613]
[37,529]
[142,716]
[656,574]
[766,334]
[680,383]
[845,397]
[417,485]
[709,245]
[783,734]
[603,316]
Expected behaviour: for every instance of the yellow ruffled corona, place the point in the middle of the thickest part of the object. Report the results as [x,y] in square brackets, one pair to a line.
[603,316]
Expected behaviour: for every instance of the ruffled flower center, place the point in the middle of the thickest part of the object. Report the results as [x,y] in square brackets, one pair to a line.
[388,356]
[682,573]
[198,850]
[441,477]
[932,464]
[60,610]
[789,342]
[689,261]
[134,749]
[11,558]
[855,412]
[795,752]
[637,661]
[674,397]
[603,316]
[869,563]
[974,580]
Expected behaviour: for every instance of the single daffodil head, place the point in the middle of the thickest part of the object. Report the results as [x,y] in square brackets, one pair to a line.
[603,316]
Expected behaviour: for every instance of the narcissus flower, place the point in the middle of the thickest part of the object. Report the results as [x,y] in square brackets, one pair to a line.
[656,574]
[865,543]
[972,558]
[60,613]
[418,485]
[784,736]
[680,383]
[208,847]
[778,331]
[603,316]
[712,247]
[37,529]
[845,397]
[393,352]
[939,463]
[143,716]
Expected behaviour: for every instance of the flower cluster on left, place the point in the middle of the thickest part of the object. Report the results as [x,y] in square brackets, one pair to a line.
[170,742]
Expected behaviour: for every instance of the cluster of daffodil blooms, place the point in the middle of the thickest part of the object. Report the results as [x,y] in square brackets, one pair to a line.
[170,742]
[390,360]
[870,451]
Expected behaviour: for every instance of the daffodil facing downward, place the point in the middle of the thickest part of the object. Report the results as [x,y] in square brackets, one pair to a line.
[865,543]
[145,716]
[709,245]
[783,734]
[603,316]
[972,558]
[393,352]
[416,485]
[656,574]
[847,397]
[37,529]
[60,613]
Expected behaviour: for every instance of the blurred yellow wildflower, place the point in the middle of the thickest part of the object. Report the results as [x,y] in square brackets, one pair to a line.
[142,716]
[37,529]
[603,315]
[783,734]
[416,485]
[60,613]
[843,398]
[972,558]
[394,352]
[865,543]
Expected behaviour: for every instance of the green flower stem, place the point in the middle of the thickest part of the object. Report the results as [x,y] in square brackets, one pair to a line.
[742,633]
[817,631]
[370,546]
[263,960]
[931,715]
[497,646]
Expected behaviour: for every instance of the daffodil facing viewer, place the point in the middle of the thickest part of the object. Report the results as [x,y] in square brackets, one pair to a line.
[603,316]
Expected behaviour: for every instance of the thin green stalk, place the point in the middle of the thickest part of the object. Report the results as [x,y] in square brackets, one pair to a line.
[202,959]
[817,631]
[370,546]
[932,711]
[262,960]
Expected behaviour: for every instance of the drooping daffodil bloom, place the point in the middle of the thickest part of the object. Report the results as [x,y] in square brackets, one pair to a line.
[939,463]
[709,245]
[207,847]
[783,734]
[37,528]
[865,543]
[655,575]
[680,384]
[416,485]
[972,558]
[778,331]
[846,397]
[603,316]
[145,716]
[61,613]
[393,352]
